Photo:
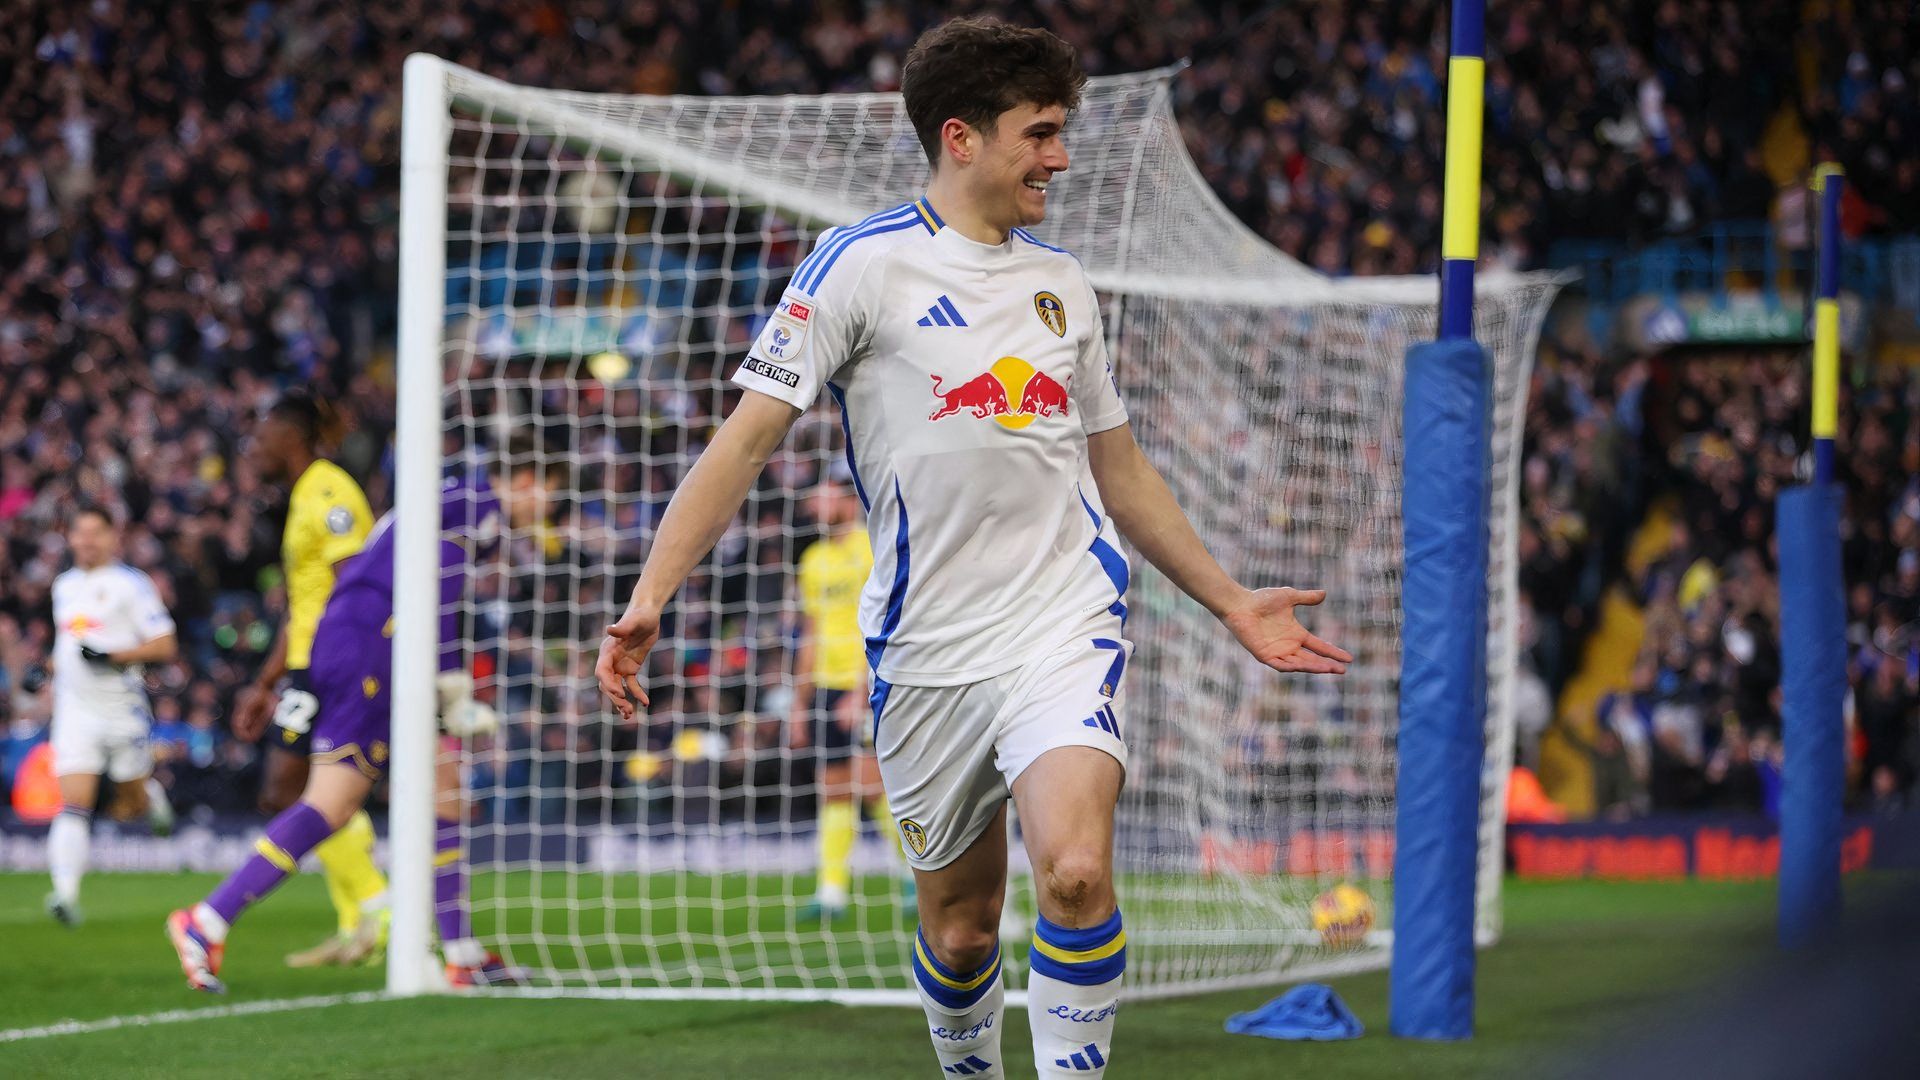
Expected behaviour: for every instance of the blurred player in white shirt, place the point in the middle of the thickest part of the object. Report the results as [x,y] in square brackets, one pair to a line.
[108,623]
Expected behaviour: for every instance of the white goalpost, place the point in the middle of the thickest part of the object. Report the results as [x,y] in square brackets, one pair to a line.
[581,272]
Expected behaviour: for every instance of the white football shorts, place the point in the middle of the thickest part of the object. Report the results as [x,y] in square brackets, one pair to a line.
[949,754]
[102,744]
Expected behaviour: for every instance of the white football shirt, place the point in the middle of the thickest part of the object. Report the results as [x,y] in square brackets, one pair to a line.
[111,607]
[969,377]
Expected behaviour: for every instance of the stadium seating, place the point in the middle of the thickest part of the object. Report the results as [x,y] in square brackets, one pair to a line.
[196,211]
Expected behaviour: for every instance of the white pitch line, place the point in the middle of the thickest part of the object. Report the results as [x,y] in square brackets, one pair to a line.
[176,1016]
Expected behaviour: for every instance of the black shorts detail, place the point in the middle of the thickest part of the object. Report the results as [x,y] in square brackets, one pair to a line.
[292,727]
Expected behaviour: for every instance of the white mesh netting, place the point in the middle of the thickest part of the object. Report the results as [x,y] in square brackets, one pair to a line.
[673,852]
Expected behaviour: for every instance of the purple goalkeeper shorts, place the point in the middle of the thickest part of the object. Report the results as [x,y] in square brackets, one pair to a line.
[350,673]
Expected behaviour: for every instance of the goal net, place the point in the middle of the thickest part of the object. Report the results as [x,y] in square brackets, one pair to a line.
[607,260]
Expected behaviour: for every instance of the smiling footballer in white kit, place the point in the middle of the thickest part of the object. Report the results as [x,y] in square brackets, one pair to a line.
[991,450]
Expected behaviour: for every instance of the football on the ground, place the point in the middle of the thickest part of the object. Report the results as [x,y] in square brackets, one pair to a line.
[1342,915]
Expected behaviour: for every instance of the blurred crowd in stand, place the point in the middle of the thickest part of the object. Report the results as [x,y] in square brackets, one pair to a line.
[198,209]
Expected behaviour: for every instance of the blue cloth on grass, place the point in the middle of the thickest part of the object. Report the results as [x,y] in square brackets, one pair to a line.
[1310,1011]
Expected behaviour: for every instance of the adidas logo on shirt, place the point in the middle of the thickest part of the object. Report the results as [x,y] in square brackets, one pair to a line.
[942,313]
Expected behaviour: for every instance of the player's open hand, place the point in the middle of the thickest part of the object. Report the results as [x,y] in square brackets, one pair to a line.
[622,655]
[251,713]
[1266,626]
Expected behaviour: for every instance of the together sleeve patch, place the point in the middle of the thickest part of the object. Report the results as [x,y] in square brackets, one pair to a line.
[771,371]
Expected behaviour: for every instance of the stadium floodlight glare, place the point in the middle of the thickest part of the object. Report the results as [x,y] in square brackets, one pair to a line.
[544,230]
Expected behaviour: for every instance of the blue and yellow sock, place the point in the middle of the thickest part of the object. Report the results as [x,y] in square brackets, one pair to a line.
[963,1011]
[1073,995]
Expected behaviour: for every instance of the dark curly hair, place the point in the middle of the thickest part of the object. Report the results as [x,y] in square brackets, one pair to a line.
[974,69]
[312,416]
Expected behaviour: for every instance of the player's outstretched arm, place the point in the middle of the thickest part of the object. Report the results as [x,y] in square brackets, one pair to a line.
[700,511]
[1144,510]
[160,650]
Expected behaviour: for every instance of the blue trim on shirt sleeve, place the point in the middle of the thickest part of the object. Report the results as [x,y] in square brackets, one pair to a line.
[901,217]
[832,236]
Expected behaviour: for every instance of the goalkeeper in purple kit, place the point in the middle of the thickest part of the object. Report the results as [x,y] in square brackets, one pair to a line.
[352,662]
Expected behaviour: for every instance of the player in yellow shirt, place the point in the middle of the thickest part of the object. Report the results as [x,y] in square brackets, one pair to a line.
[830,691]
[327,521]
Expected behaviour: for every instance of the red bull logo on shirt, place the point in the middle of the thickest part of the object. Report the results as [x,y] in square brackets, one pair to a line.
[1012,392]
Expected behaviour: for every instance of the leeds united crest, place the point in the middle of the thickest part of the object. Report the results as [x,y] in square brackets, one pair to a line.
[1052,312]
[915,835]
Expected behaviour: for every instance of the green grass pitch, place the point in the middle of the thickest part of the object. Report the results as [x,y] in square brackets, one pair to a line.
[1578,960]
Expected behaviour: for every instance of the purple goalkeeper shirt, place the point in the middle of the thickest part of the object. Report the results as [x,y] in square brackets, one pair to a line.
[363,590]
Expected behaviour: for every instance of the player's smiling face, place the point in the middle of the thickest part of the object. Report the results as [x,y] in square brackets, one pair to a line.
[1018,160]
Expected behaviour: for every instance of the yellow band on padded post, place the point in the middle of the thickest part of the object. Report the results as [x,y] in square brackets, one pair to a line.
[1826,368]
[1460,222]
